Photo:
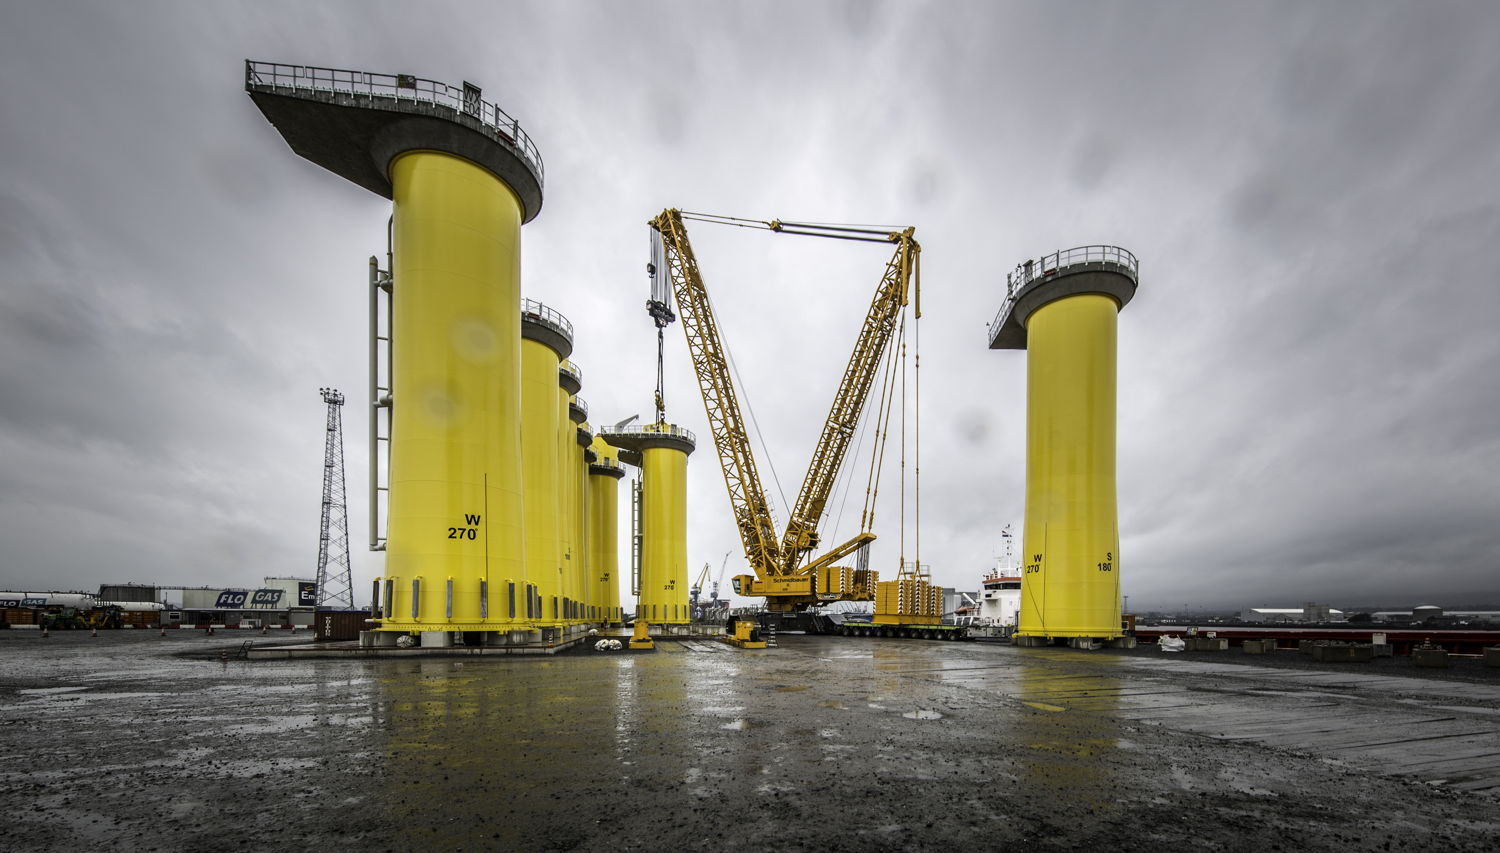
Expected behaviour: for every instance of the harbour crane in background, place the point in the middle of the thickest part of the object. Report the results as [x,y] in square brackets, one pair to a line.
[785,572]
[719,579]
[697,588]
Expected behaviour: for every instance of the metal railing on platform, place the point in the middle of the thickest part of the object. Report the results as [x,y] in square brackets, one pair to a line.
[462,100]
[536,311]
[652,429]
[1064,260]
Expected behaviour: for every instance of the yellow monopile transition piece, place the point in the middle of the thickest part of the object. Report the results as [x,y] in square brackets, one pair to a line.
[570,551]
[664,566]
[454,539]
[588,588]
[540,466]
[604,527]
[1071,585]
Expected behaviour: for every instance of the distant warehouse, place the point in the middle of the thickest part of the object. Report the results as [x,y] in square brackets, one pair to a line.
[1309,614]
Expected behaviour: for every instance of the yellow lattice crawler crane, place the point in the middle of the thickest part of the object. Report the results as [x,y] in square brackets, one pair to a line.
[785,572]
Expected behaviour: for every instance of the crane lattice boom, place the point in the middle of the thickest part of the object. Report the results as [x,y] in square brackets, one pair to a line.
[843,418]
[752,514]
[781,571]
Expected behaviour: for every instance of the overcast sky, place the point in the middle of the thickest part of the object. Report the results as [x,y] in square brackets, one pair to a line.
[1309,376]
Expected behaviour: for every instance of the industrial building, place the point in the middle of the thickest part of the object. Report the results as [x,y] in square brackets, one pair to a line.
[1308,613]
[1432,614]
[278,602]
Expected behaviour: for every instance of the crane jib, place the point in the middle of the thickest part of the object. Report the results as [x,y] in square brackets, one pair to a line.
[770,557]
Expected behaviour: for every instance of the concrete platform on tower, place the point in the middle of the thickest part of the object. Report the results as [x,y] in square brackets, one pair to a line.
[353,123]
[635,439]
[1107,270]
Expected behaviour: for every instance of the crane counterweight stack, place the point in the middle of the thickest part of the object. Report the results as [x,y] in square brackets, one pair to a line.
[784,570]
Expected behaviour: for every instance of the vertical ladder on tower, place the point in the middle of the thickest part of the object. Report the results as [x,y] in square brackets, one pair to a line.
[635,537]
[381,385]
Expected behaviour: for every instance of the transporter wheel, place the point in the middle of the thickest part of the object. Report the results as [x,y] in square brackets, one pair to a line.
[947,635]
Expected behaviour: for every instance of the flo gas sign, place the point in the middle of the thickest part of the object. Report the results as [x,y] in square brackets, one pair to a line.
[266,598]
[231,598]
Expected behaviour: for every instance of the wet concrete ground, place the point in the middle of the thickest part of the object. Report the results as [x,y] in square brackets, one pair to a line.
[821,744]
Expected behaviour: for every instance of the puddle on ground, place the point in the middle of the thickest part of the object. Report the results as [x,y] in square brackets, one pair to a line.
[789,688]
[1043,706]
[735,725]
[922,714]
[274,725]
[45,691]
[721,710]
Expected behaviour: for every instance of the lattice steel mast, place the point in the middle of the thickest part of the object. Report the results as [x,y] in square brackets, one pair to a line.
[335,584]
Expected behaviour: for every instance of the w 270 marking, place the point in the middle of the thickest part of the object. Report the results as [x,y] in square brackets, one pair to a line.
[471,532]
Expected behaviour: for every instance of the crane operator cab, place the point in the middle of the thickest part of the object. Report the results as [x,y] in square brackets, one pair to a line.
[743,632]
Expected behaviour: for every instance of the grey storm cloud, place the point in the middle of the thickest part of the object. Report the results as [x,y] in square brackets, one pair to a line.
[1309,375]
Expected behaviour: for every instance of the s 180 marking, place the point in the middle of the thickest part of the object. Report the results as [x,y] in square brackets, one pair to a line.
[1109,562]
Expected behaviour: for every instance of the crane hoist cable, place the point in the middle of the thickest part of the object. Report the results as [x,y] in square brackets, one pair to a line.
[659,306]
[846,478]
[754,421]
[883,431]
[917,439]
[903,445]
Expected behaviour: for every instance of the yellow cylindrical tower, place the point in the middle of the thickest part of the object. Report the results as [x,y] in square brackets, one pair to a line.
[664,562]
[569,380]
[547,339]
[1063,309]
[1071,587]
[455,518]
[588,590]
[463,177]
[604,527]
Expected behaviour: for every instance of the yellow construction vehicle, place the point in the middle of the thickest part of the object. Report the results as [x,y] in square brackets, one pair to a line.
[640,636]
[786,573]
[743,632]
